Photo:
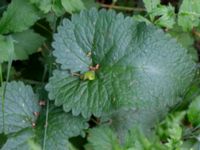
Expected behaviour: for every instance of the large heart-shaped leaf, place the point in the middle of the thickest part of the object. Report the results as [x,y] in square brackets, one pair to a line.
[140,66]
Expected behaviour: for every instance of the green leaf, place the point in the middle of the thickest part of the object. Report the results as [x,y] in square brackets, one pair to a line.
[194,111]
[73,5]
[26,43]
[103,138]
[189,14]
[20,105]
[21,45]
[19,16]
[44,5]
[47,5]
[90,3]
[61,126]
[58,8]
[171,126]
[185,39]
[21,141]
[151,4]
[6,48]
[139,65]
[124,119]
[167,16]
[140,18]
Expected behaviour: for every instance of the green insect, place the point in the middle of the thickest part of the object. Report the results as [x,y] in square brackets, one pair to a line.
[89,75]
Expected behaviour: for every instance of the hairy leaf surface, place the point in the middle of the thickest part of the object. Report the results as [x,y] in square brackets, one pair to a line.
[61,126]
[21,141]
[19,107]
[140,66]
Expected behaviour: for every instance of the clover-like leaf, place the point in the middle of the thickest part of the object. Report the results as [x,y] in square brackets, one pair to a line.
[139,65]
[18,108]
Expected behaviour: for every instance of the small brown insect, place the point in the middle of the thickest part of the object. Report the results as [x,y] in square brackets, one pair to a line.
[42,103]
[94,68]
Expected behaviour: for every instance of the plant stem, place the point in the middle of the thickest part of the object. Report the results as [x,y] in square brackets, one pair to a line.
[2,91]
[196,33]
[50,65]
[46,126]
[32,82]
[43,27]
[122,7]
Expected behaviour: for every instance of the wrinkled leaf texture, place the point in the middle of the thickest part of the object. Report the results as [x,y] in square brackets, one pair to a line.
[140,66]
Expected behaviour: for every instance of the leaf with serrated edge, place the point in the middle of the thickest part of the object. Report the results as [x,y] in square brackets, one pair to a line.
[151,4]
[189,13]
[103,138]
[73,5]
[21,141]
[20,105]
[140,66]
[61,126]
[19,16]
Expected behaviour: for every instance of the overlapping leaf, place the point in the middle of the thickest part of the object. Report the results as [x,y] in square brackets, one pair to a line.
[151,4]
[73,5]
[61,126]
[140,66]
[125,119]
[49,5]
[103,138]
[19,106]
[6,48]
[21,141]
[189,14]
[26,43]
[19,16]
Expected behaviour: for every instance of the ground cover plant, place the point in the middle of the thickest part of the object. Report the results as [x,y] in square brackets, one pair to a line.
[99,75]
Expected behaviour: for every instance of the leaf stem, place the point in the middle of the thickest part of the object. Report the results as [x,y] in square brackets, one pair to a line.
[50,65]
[43,27]
[46,126]
[2,91]
[32,82]
[121,7]
[196,33]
